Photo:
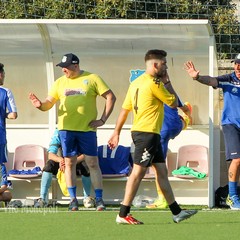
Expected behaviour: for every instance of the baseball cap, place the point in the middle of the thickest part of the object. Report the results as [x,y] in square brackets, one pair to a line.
[236,59]
[68,59]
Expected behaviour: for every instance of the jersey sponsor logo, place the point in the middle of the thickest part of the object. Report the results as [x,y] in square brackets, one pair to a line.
[71,92]
[146,156]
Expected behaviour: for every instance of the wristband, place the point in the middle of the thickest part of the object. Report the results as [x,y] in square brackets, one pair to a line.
[102,121]
[167,83]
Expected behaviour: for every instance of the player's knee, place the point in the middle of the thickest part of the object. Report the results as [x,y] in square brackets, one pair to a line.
[7,196]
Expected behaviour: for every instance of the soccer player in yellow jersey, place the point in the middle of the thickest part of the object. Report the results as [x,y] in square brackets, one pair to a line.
[77,91]
[145,98]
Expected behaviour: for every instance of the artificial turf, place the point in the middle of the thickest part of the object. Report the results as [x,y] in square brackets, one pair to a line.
[57,223]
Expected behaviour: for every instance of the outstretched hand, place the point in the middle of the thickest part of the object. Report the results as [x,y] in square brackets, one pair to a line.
[190,68]
[35,101]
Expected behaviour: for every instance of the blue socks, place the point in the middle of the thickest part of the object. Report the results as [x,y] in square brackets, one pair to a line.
[86,182]
[87,185]
[45,185]
[232,188]
[72,192]
[98,193]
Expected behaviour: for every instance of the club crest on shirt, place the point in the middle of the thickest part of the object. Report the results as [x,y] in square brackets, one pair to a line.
[234,90]
[85,81]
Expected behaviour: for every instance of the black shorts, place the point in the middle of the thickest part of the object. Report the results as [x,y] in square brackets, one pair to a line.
[52,167]
[231,135]
[148,148]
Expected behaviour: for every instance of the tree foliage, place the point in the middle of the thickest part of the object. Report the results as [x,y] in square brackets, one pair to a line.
[221,13]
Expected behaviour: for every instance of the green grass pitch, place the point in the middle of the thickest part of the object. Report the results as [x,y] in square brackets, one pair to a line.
[59,224]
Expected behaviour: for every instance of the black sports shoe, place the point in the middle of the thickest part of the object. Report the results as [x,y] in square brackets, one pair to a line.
[100,206]
[73,206]
[184,214]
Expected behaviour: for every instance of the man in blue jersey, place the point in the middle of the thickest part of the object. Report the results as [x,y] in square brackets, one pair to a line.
[174,123]
[8,110]
[56,162]
[230,85]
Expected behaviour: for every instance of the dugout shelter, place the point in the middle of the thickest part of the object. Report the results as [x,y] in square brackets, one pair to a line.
[30,50]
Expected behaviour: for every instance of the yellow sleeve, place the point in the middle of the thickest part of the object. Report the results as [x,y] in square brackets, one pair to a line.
[162,93]
[127,103]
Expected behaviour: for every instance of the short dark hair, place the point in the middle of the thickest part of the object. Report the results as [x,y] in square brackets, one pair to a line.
[155,54]
[1,67]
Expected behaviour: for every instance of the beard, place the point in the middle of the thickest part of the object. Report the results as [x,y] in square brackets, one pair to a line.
[160,74]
